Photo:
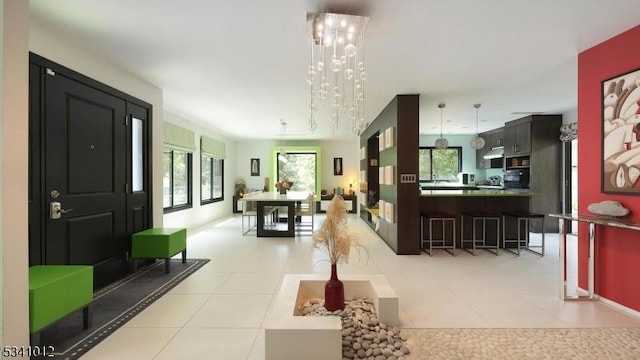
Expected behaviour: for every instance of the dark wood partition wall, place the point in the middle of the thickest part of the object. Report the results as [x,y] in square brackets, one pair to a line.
[402,114]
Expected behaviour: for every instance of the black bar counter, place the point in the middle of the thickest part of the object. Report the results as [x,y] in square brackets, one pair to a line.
[482,200]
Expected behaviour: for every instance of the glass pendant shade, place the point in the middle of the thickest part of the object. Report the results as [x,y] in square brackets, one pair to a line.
[477,142]
[282,156]
[441,142]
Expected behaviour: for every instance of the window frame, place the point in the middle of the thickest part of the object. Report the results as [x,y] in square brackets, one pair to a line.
[431,148]
[211,159]
[315,158]
[188,183]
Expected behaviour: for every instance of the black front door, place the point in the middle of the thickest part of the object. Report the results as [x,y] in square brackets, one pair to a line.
[85,177]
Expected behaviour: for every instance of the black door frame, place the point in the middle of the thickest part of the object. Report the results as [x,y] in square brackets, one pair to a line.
[138,208]
[568,184]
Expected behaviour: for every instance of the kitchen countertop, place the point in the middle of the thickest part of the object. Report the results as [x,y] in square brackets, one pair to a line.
[474,193]
[447,186]
[496,187]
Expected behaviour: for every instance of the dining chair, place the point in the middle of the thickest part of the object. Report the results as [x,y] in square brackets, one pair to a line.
[306,209]
[249,210]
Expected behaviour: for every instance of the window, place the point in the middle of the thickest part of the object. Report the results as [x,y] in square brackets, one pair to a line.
[176,180]
[299,168]
[211,180]
[439,164]
[137,154]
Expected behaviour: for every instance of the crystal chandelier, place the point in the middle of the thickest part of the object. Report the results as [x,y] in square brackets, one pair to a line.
[441,142]
[336,73]
[477,142]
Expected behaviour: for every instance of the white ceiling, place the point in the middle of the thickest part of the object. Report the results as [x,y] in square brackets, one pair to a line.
[238,66]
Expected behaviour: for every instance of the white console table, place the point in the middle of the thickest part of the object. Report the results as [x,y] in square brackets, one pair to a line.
[592,220]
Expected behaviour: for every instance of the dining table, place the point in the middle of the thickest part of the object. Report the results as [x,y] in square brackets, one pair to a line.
[267,202]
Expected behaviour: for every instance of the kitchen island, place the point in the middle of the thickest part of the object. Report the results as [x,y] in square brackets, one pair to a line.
[479,192]
[447,186]
[482,200]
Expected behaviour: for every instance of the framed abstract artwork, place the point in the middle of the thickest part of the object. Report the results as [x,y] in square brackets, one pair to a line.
[255,167]
[337,166]
[621,133]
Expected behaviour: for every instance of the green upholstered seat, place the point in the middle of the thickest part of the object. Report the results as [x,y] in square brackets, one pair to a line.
[159,243]
[56,291]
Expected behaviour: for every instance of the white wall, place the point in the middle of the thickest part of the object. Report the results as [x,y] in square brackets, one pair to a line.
[201,214]
[260,149]
[348,150]
[14,129]
[570,116]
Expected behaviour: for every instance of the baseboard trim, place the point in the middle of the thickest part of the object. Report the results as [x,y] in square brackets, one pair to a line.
[624,309]
[611,303]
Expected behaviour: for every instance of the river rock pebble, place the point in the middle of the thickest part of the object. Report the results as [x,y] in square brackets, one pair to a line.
[362,334]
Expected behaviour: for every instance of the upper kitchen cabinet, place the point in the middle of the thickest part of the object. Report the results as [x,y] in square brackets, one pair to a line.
[517,137]
[493,138]
[496,138]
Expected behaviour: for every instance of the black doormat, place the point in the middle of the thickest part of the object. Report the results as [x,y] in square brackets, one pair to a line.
[114,305]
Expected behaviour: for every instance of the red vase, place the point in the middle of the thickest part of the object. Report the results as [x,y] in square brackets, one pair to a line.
[334,292]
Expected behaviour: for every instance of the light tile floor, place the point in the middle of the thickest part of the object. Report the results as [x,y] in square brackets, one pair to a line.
[218,312]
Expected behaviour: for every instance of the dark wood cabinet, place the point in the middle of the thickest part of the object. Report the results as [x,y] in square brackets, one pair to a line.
[480,161]
[517,137]
[350,200]
[532,144]
[493,138]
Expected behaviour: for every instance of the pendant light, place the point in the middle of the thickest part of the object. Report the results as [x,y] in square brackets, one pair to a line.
[441,143]
[477,142]
[282,154]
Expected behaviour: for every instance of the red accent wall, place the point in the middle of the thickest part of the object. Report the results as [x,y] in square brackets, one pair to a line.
[617,250]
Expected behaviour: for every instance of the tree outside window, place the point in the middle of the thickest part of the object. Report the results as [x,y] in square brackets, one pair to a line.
[211,180]
[176,180]
[439,164]
[300,168]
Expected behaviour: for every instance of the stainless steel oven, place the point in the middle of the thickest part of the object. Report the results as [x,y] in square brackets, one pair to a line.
[516,179]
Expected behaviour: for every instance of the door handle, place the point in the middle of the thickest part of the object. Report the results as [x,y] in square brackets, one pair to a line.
[56,210]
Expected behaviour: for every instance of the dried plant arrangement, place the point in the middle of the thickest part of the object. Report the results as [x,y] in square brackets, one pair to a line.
[334,236]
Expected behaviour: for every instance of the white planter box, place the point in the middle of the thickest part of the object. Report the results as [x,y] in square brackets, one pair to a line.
[289,336]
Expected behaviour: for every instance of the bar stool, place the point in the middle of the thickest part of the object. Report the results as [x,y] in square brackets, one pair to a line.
[524,220]
[483,217]
[443,218]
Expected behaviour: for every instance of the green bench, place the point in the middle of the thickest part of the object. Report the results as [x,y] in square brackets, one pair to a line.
[159,243]
[56,291]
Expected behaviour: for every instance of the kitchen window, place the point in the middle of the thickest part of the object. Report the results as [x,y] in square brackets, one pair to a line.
[439,164]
